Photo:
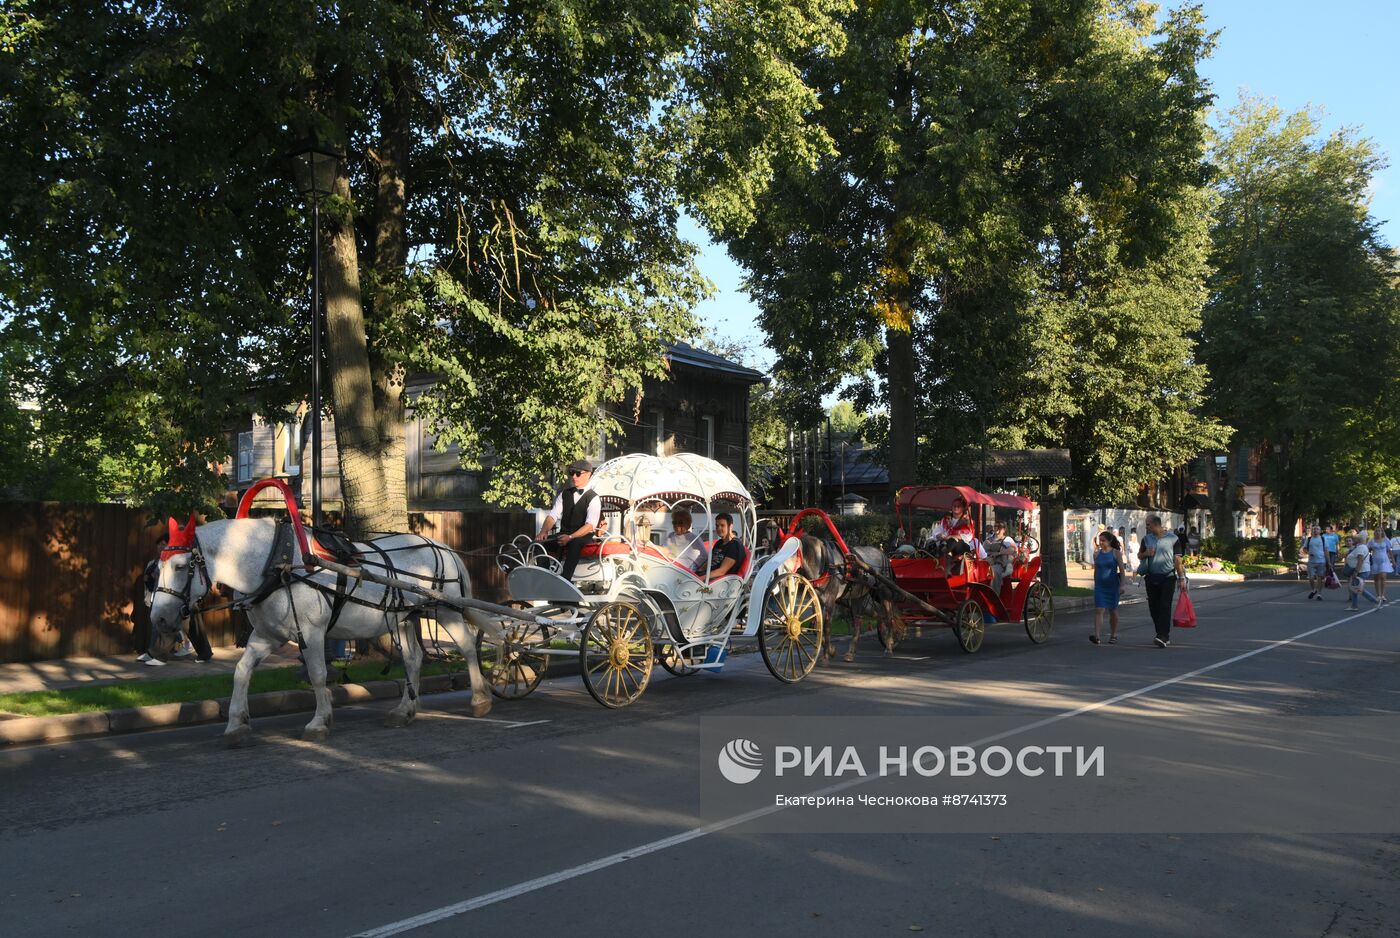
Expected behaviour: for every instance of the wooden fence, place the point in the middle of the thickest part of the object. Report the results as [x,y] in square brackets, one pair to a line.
[70,575]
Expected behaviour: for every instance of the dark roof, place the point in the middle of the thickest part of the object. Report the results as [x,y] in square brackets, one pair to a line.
[683,353]
[862,468]
[1016,464]
[1193,500]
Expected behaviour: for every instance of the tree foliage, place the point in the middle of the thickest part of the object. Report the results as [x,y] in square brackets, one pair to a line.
[976,143]
[1300,331]
[506,218]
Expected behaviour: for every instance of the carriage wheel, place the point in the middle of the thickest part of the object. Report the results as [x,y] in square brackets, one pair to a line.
[969,626]
[678,664]
[790,635]
[513,667]
[1039,613]
[616,654]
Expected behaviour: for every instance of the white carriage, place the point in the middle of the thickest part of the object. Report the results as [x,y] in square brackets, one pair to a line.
[630,602]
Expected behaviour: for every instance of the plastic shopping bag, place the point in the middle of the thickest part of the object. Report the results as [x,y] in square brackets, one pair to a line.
[1331,582]
[1185,615]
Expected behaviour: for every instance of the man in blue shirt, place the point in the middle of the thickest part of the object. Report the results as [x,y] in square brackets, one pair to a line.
[1329,537]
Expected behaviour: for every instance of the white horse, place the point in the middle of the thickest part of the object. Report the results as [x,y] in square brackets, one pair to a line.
[236,554]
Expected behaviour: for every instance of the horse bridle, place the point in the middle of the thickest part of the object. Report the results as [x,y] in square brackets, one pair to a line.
[197,563]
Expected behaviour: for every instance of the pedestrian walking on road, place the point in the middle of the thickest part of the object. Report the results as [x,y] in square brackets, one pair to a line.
[1109,569]
[1316,550]
[1162,548]
[1330,538]
[1379,549]
[1358,565]
[1130,547]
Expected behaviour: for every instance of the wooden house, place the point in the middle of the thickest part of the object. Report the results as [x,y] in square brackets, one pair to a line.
[703,408]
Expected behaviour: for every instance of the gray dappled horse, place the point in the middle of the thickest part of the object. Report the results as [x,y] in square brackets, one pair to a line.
[861,595]
[261,564]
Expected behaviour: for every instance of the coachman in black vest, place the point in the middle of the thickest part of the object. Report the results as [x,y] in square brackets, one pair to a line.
[576,510]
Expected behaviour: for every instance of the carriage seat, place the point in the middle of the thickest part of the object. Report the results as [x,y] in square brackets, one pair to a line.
[608,549]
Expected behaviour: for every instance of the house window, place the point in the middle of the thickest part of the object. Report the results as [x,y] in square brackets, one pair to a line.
[245,456]
[291,460]
[660,433]
[707,436]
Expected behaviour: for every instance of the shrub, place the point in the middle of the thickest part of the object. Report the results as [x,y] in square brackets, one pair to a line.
[871,529]
[1242,550]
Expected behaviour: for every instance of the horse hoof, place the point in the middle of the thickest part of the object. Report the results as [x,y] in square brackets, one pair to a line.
[396,720]
[481,709]
[238,738]
[316,734]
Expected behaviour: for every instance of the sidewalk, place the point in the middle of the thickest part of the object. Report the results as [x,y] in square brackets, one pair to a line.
[62,673]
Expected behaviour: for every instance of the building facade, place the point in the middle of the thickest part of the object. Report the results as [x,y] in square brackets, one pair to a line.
[703,408]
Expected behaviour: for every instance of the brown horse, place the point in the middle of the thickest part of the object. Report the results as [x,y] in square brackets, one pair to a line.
[839,584]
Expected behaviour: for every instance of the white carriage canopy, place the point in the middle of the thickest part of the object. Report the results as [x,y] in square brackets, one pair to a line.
[637,477]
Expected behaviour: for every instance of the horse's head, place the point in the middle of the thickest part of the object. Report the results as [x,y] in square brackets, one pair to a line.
[183,579]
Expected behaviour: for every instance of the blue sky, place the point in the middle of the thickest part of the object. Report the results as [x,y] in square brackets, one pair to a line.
[1338,55]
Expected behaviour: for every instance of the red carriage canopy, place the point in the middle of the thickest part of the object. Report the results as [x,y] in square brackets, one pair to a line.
[941,497]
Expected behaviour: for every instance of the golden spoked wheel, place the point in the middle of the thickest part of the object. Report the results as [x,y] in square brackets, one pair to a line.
[1039,613]
[616,654]
[790,635]
[969,626]
[513,667]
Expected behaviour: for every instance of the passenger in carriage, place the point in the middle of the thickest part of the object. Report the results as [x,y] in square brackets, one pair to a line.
[954,535]
[686,548]
[576,510]
[728,555]
[1003,556]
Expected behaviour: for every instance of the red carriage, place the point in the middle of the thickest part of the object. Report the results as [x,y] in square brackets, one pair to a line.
[960,589]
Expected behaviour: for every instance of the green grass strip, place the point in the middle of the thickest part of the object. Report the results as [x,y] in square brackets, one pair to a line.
[39,703]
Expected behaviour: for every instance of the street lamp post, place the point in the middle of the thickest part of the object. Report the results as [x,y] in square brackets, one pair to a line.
[317,165]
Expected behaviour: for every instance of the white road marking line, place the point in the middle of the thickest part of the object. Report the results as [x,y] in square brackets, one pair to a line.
[655,846]
[512,724]
[903,658]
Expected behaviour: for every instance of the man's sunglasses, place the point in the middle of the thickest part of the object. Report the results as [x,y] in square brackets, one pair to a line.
[578,472]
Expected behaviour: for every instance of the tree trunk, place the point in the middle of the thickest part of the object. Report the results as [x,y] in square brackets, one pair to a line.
[390,260]
[1222,511]
[368,507]
[1287,520]
[1052,540]
[899,340]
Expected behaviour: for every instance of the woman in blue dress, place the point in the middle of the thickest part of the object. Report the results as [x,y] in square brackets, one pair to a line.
[1109,570]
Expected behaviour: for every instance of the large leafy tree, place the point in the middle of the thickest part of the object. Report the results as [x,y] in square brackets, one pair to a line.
[964,134]
[1301,330]
[506,217]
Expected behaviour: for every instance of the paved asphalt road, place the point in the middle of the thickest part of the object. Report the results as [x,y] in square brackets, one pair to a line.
[167,833]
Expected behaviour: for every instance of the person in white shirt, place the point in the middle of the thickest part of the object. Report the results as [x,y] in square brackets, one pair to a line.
[688,549]
[1003,555]
[1378,547]
[1358,564]
[1316,549]
[576,510]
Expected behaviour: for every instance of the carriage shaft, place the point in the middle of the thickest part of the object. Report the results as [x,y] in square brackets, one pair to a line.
[457,602]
